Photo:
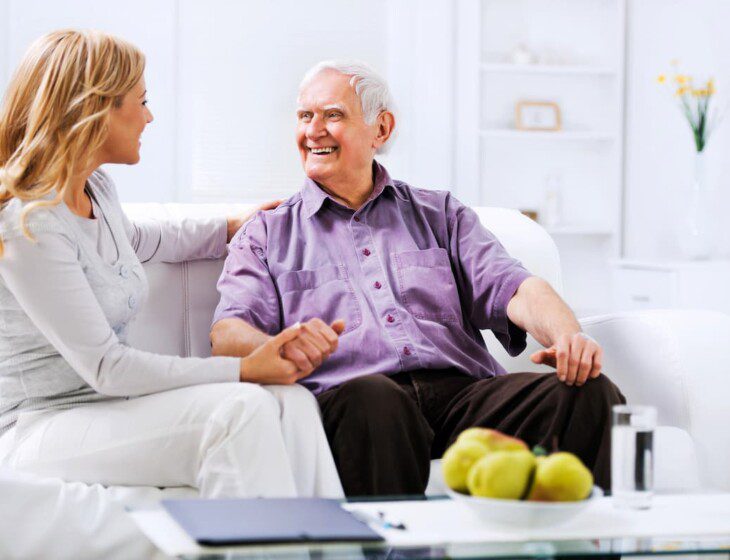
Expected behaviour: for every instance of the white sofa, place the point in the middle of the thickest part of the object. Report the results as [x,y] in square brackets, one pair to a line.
[671,359]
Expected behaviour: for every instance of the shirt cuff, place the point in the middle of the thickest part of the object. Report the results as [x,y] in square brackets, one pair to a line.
[246,316]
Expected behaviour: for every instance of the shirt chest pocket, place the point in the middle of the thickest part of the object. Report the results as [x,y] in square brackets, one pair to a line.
[324,292]
[427,286]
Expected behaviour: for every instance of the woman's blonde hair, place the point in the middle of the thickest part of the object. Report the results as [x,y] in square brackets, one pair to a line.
[55,113]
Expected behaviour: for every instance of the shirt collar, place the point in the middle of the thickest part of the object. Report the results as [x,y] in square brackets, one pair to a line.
[313,196]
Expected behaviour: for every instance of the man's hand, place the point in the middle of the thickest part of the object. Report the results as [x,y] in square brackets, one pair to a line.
[575,358]
[234,223]
[314,344]
[266,366]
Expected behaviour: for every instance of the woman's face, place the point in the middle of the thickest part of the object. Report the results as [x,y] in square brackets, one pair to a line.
[126,124]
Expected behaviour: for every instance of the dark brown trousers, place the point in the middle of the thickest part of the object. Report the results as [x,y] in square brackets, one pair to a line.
[384,431]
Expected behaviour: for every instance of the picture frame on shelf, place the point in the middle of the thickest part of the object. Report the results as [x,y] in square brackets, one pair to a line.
[538,115]
[530,213]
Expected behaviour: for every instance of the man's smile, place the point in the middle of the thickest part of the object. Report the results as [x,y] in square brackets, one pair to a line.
[322,151]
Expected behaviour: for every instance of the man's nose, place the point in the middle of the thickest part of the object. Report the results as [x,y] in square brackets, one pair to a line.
[316,128]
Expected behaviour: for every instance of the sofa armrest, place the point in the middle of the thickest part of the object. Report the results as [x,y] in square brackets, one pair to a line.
[673,359]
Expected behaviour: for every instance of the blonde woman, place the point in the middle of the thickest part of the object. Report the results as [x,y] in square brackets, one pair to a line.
[75,400]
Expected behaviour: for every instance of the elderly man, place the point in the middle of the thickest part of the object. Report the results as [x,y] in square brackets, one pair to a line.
[399,281]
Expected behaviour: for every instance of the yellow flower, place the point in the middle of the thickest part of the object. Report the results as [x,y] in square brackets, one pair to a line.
[711,87]
[681,79]
[682,91]
[661,78]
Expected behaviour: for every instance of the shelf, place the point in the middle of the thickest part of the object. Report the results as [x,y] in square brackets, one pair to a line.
[545,135]
[549,69]
[579,230]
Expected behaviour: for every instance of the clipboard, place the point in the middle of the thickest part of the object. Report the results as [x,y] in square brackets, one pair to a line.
[268,520]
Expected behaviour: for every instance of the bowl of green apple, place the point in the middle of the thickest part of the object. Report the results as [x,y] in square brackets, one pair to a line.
[506,484]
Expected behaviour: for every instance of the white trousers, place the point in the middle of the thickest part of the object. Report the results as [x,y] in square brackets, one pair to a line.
[225,439]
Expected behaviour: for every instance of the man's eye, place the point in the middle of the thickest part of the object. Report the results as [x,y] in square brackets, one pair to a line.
[306,117]
[336,115]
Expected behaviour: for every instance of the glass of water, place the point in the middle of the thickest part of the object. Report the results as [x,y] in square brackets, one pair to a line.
[632,455]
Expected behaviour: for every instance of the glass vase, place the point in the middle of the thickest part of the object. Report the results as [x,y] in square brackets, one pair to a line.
[697,240]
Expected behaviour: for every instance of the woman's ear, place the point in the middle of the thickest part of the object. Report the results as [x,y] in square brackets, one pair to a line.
[386,125]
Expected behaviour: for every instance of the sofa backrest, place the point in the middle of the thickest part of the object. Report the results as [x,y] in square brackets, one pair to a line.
[176,319]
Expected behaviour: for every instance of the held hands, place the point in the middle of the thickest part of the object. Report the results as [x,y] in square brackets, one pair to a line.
[235,222]
[575,358]
[292,354]
[315,343]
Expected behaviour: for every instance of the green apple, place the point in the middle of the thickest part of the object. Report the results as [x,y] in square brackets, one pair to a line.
[560,477]
[502,474]
[492,439]
[457,461]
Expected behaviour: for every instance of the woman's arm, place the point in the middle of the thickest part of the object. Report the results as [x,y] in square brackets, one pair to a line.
[177,240]
[187,239]
[47,281]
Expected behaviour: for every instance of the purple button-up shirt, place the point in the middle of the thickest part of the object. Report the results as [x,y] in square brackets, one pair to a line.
[413,273]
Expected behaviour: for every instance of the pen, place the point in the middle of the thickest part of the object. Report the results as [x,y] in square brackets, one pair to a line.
[379,520]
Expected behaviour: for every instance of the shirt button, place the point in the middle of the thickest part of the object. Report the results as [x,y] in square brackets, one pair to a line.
[132,301]
[407,351]
[124,271]
[366,252]
[356,218]
[378,285]
[390,318]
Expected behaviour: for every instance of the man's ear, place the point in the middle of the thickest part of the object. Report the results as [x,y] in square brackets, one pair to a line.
[386,125]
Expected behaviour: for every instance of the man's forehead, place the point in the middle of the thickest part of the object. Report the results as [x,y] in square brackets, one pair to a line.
[327,90]
[322,107]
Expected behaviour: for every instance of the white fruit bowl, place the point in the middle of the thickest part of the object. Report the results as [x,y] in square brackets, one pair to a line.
[522,514]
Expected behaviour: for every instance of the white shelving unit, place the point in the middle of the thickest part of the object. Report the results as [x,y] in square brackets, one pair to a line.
[579,135]
[552,69]
[580,47]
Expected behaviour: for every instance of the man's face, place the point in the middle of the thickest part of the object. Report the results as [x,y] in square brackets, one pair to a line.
[337,147]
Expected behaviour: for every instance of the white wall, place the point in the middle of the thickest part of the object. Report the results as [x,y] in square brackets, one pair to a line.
[151,26]
[239,68]
[4,43]
[421,73]
[217,70]
[659,148]
[221,77]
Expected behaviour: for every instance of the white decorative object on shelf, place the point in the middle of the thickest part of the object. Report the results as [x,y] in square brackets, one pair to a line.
[522,55]
[697,239]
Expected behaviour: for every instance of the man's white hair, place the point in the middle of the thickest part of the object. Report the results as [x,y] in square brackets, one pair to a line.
[370,87]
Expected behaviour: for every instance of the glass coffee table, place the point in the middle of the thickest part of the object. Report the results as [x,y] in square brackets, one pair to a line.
[438,527]
[599,548]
